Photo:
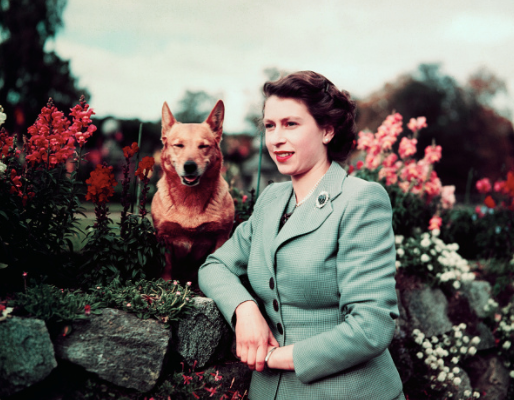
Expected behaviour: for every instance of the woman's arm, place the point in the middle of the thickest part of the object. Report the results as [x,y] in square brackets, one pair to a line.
[365,275]
[219,279]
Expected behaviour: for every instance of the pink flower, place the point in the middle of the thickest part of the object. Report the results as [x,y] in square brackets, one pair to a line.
[484,185]
[212,391]
[87,309]
[245,197]
[448,196]
[187,379]
[365,140]
[175,283]
[435,223]
[478,210]
[433,154]
[178,293]
[390,174]
[407,147]
[415,124]
[129,305]
[25,274]
[188,283]
[360,164]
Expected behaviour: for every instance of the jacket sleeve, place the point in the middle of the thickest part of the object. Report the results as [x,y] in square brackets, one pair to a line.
[219,276]
[368,304]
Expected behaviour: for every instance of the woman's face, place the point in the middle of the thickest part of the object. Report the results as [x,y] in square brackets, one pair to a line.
[294,140]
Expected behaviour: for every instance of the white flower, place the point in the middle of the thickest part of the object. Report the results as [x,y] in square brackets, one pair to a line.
[419,355]
[462,326]
[416,331]
[472,351]
[416,251]
[476,395]
[425,242]
[434,366]
[463,349]
[435,232]
[400,252]
[511,373]
[456,284]
[455,360]
[427,344]
[398,239]
[3,167]
[398,264]
[475,340]
[506,345]
[428,351]
[465,339]
[458,334]
[425,258]
[430,267]
[3,117]
[456,370]
[467,393]
[457,381]
[441,377]
[434,339]
[440,362]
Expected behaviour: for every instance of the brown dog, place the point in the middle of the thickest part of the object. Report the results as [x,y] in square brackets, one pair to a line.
[192,210]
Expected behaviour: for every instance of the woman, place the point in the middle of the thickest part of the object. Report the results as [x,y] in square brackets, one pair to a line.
[320,259]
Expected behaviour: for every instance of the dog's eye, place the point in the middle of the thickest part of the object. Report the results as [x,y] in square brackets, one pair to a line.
[203,146]
[178,145]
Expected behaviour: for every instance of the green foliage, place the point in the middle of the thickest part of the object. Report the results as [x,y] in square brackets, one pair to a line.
[487,235]
[163,300]
[54,305]
[243,205]
[36,232]
[108,256]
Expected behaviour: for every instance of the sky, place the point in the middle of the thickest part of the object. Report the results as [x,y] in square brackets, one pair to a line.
[133,55]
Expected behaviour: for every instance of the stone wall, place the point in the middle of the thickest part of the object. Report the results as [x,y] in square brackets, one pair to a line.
[132,353]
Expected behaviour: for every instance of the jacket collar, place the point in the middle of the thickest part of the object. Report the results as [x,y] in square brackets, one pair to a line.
[305,218]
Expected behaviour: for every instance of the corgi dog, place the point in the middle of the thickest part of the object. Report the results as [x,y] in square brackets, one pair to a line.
[192,210]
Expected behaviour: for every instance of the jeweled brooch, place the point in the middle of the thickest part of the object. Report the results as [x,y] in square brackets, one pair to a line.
[322,199]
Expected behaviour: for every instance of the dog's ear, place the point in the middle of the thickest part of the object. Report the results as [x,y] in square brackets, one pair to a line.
[168,120]
[215,119]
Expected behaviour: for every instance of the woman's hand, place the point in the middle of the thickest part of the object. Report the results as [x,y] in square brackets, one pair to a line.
[281,358]
[253,336]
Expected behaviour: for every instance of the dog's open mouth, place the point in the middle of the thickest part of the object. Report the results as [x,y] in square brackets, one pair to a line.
[191,180]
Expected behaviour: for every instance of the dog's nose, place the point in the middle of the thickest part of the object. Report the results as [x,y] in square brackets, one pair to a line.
[190,167]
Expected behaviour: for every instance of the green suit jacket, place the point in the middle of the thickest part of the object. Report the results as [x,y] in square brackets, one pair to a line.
[325,283]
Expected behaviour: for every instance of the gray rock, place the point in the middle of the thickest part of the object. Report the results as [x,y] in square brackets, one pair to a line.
[489,376]
[478,293]
[486,337]
[465,384]
[26,354]
[119,347]
[427,309]
[203,335]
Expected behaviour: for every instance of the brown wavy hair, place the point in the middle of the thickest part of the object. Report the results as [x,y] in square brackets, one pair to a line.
[329,106]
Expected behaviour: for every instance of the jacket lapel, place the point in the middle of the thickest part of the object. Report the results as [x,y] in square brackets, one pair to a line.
[308,217]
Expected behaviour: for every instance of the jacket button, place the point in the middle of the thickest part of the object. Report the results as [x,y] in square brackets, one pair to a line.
[271,283]
[275,305]
[280,329]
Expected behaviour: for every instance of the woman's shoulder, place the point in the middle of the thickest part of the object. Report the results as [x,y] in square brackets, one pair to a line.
[354,187]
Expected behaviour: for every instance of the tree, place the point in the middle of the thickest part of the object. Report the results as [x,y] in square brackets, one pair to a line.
[29,75]
[473,135]
[194,107]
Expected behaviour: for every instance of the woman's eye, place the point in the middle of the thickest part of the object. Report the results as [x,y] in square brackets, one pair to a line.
[291,123]
[268,126]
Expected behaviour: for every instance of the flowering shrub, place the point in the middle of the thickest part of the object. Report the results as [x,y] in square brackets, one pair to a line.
[439,358]
[413,186]
[39,195]
[432,260]
[162,300]
[135,253]
[243,205]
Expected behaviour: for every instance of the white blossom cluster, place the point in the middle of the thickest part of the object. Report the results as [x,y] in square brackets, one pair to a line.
[438,259]
[442,355]
[3,116]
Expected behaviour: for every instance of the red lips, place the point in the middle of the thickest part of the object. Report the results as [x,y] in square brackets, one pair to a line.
[283,156]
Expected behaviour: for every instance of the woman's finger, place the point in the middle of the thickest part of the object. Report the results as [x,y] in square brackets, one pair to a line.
[259,358]
[272,341]
[250,360]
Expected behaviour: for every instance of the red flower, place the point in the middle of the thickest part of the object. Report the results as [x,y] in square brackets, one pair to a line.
[483,185]
[129,151]
[187,379]
[144,167]
[212,391]
[195,395]
[359,164]
[101,184]
[489,202]
[87,309]
[351,169]
[2,307]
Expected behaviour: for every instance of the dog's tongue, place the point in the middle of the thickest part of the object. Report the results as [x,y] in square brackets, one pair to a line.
[189,179]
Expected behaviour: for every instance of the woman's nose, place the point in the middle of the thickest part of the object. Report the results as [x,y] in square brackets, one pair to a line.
[277,136]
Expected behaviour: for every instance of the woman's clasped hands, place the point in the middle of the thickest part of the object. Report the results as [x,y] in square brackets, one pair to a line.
[254,340]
